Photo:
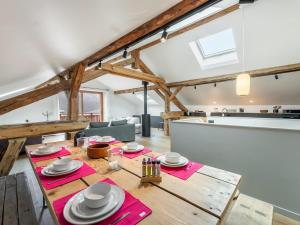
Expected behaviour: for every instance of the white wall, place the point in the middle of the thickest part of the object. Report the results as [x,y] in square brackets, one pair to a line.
[114,105]
[33,112]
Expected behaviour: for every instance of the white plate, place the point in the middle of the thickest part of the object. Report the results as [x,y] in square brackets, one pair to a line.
[182,161]
[71,218]
[139,148]
[52,150]
[100,140]
[48,171]
[81,210]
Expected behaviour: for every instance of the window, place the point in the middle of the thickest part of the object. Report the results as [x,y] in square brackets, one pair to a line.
[150,100]
[215,50]
[217,44]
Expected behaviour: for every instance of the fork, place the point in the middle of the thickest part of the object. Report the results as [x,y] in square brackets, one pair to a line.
[119,218]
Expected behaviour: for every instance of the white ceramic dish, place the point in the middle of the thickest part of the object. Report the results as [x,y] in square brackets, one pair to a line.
[182,162]
[81,210]
[139,148]
[132,145]
[48,171]
[172,157]
[51,150]
[62,164]
[97,195]
[71,218]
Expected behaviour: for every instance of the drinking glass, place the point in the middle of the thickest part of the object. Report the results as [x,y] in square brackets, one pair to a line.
[115,159]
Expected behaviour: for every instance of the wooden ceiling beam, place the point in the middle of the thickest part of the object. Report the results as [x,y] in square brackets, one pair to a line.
[217,79]
[178,10]
[132,74]
[10,104]
[177,90]
[94,73]
[192,26]
[162,87]
[253,73]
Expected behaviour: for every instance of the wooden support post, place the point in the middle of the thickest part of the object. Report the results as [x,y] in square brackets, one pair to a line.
[74,90]
[10,155]
[166,121]
[136,56]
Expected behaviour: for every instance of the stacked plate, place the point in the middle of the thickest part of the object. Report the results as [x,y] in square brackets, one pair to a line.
[132,147]
[62,167]
[45,150]
[173,159]
[94,204]
[105,139]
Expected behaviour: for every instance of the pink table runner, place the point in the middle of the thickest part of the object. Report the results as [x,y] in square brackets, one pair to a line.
[62,152]
[134,154]
[52,182]
[138,211]
[183,172]
[111,143]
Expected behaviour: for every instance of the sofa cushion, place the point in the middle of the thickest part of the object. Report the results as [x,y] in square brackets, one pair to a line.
[98,124]
[118,123]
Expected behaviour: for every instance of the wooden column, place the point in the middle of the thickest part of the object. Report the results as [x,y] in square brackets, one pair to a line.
[166,121]
[10,155]
[74,90]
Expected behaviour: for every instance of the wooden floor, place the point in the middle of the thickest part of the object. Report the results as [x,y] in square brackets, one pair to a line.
[157,142]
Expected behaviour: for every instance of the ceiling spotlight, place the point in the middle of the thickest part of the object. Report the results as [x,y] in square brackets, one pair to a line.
[195,87]
[164,36]
[99,66]
[215,85]
[276,77]
[125,53]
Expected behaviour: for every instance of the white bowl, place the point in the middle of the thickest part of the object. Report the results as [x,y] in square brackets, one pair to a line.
[173,157]
[97,195]
[106,138]
[132,145]
[62,164]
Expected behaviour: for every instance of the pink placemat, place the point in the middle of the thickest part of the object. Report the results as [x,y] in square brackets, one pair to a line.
[183,172]
[111,143]
[62,152]
[134,154]
[52,182]
[138,210]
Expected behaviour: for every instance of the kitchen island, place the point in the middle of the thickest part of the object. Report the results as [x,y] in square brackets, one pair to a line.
[264,150]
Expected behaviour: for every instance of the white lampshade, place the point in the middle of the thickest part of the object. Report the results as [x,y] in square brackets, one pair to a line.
[243,84]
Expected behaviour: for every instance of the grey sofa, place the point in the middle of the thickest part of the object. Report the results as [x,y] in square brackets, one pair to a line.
[120,131]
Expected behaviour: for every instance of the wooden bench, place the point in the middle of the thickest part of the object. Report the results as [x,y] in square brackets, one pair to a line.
[16,205]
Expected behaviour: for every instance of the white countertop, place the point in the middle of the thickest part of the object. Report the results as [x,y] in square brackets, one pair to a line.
[249,122]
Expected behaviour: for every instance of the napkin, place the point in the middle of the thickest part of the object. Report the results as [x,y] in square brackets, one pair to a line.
[184,172]
[48,182]
[133,154]
[62,152]
[138,210]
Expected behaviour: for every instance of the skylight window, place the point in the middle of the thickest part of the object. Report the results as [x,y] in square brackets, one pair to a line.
[217,44]
[150,100]
[215,50]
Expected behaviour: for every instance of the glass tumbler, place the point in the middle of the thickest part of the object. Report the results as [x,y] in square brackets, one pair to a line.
[115,158]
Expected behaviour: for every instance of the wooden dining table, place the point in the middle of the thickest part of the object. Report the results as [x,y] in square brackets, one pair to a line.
[204,198]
